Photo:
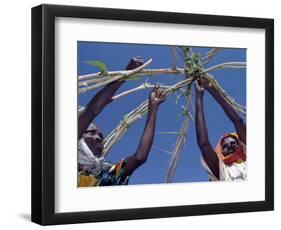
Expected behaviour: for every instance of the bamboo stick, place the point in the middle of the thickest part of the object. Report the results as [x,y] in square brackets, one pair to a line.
[120,72]
[116,78]
[96,78]
[141,87]
[178,146]
[234,65]
[174,61]
[210,55]
[183,130]
[236,106]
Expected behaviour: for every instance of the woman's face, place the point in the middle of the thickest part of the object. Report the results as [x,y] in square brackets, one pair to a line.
[229,145]
[94,139]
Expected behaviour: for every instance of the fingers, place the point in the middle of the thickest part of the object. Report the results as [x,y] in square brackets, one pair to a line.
[155,89]
[157,95]
[158,92]
[162,93]
[138,59]
[134,63]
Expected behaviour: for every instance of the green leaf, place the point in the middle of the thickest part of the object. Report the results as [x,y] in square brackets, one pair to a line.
[102,67]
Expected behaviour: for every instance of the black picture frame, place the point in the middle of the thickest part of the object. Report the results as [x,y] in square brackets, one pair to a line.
[43,114]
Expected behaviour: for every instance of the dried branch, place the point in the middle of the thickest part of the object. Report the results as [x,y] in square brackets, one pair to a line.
[233,65]
[96,78]
[210,54]
[141,87]
[174,63]
[181,137]
[237,107]
[116,78]
[178,146]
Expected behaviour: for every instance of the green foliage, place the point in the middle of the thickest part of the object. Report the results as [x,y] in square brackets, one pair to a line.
[102,67]
[194,65]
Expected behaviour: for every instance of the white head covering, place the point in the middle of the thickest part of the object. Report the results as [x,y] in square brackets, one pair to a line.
[87,159]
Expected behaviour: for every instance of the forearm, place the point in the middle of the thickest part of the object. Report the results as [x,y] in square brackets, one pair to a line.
[201,129]
[230,112]
[207,151]
[237,121]
[103,97]
[95,106]
[148,135]
[156,97]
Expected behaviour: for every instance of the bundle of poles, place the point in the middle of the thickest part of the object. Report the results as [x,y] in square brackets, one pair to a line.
[91,82]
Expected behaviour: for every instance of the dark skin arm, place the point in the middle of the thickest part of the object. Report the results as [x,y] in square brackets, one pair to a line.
[207,150]
[157,96]
[101,99]
[230,112]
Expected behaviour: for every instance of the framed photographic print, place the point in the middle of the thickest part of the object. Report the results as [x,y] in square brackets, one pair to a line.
[143,114]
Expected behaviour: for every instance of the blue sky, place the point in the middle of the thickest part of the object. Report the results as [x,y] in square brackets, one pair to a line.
[116,57]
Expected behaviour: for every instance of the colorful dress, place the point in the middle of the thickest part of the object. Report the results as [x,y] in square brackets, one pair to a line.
[111,176]
[95,171]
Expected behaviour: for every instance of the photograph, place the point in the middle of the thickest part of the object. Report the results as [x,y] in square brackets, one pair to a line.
[158,114]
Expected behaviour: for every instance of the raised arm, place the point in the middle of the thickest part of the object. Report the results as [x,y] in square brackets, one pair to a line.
[230,112]
[101,99]
[157,96]
[207,150]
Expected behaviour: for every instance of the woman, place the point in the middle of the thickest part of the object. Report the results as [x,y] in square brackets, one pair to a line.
[227,162]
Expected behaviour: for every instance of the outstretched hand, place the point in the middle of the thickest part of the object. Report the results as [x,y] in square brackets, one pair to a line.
[157,96]
[135,62]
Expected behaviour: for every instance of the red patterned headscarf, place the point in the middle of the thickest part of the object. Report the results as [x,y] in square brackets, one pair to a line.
[236,157]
